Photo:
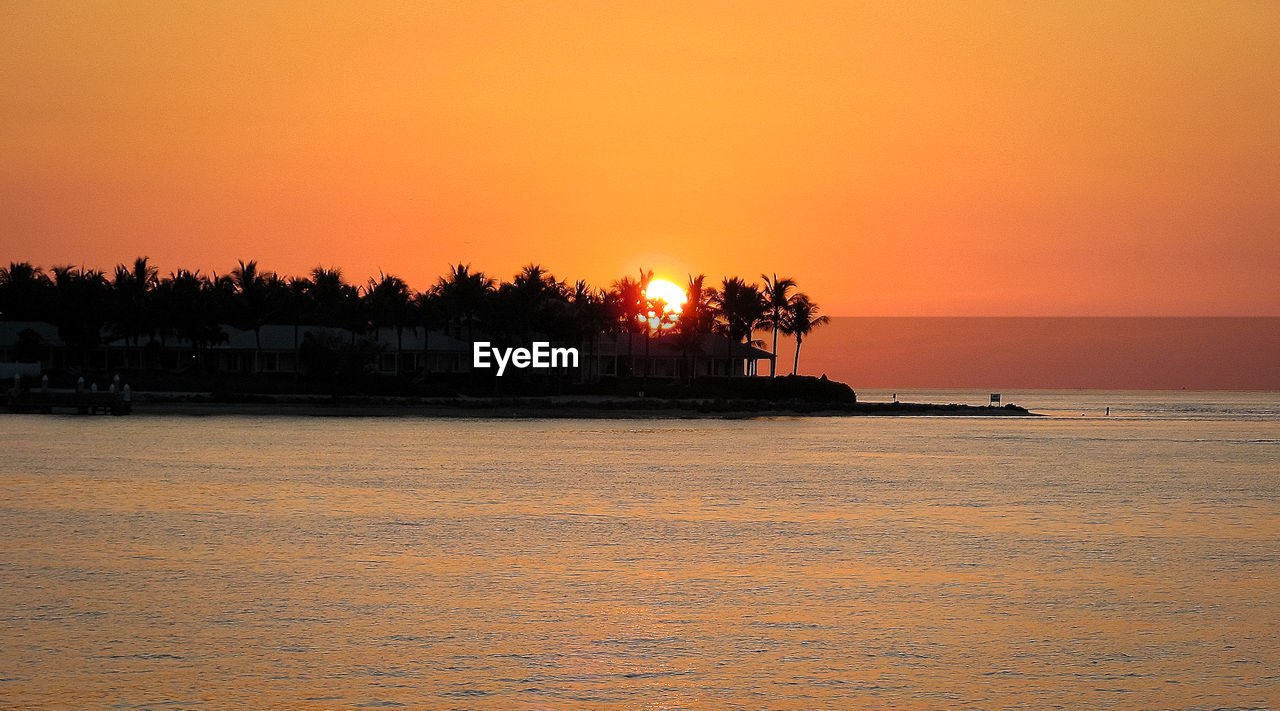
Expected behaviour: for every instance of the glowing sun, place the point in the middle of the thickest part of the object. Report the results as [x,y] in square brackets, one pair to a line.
[672,297]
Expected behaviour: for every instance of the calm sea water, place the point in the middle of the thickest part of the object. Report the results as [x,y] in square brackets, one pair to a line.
[1130,561]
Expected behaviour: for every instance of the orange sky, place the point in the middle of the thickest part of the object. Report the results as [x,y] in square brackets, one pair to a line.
[896,158]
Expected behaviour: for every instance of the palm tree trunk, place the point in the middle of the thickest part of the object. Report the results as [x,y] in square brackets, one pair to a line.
[728,353]
[645,377]
[773,362]
[795,364]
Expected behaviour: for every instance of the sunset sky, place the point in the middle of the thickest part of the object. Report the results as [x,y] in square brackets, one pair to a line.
[1109,158]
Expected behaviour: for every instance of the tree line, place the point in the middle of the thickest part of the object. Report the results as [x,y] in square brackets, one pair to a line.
[137,304]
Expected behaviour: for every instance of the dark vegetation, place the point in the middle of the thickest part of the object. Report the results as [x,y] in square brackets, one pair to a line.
[150,313]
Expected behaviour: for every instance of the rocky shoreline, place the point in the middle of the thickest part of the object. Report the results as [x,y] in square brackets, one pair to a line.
[584,407]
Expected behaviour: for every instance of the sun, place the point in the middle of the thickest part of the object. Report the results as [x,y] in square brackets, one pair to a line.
[672,297]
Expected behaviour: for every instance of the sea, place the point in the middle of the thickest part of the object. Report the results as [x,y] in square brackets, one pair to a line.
[1122,551]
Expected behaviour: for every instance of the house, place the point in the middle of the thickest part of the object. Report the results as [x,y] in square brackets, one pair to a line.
[669,356]
[29,342]
[285,348]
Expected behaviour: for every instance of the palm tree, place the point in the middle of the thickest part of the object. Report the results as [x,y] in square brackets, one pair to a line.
[296,308]
[537,300]
[132,289]
[801,318]
[696,318]
[462,294]
[187,304]
[689,343]
[628,298]
[251,290]
[427,313]
[80,301]
[740,308]
[337,304]
[389,300]
[585,318]
[777,294]
[697,314]
[325,294]
[646,315]
[136,303]
[26,293]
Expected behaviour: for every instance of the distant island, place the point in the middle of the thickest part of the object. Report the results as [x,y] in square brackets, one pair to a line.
[252,338]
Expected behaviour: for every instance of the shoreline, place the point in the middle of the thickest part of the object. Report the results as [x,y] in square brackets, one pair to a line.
[565,407]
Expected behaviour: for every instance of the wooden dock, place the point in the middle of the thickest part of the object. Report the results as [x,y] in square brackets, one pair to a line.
[84,402]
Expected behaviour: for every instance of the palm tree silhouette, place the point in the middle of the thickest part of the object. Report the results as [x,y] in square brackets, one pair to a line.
[428,314]
[251,304]
[646,306]
[187,303]
[26,293]
[696,318]
[390,300]
[740,308]
[135,303]
[801,318]
[629,299]
[296,309]
[586,317]
[80,308]
[777,293]
[696,314]
[132,288]
[337,304]
[463,293]
[537,301]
